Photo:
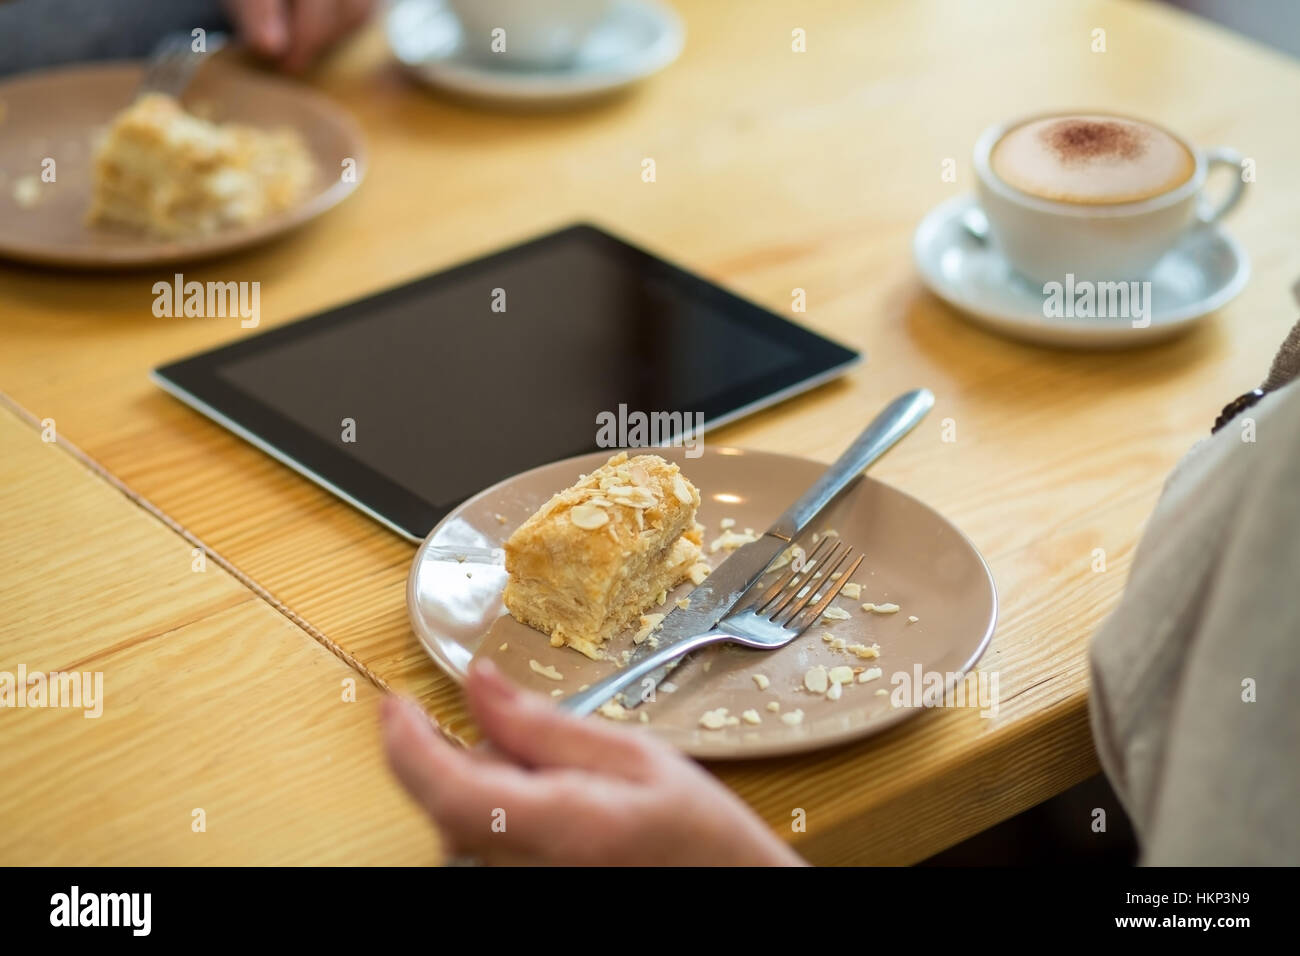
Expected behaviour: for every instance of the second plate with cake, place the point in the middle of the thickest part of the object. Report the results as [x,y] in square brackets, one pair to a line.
[924,609]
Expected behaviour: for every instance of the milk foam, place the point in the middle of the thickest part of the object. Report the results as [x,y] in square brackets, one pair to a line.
[1091,159]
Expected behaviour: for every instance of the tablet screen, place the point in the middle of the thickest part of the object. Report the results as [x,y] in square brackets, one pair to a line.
[412,400]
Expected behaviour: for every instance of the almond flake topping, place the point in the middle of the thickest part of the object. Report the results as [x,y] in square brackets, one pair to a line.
[587,516]
[545,671]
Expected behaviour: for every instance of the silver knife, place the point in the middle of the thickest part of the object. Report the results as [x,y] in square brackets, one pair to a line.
[713,599]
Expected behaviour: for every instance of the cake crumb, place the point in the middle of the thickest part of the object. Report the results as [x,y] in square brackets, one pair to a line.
[668,687]
[834,692]
[774,706]
[913,619]
[505,645]
[729,541]
[761,680]
[864,651]
[614,710]
[683,603]
[727,523]
[698,572]
[501,519]
[557,692]
[751,716]
[649,623]
[792,719]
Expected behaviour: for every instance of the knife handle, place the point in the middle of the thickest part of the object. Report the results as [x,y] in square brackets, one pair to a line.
[899,417]
[585,701]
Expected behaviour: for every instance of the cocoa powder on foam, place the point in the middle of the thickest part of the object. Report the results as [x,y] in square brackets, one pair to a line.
[1080,140]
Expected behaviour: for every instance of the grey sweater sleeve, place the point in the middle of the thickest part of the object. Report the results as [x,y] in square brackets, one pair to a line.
[40,33]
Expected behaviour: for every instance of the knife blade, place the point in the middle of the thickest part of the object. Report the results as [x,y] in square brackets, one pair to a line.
[718,594]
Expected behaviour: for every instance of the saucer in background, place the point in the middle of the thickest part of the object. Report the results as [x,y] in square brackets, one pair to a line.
[1203,272]
[636,39]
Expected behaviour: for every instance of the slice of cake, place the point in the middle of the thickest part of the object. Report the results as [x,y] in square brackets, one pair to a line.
[598,555]
[164,171]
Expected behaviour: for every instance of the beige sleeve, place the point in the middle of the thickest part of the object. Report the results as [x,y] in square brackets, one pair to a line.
[1195,702]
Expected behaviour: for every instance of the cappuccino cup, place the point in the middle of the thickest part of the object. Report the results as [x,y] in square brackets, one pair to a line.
[530,33]
[1098,196]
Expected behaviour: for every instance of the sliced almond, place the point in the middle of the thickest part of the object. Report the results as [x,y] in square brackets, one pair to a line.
[681,491]
[834,692]
[852,590]
[871,673]
[726,523]
[714,719]
[793,718]
[885,609]
[698,572]
[774,706]
[545,671]
[834,613]
[761,680]
[841,675]
[751,717]
[815,679]
[587,517]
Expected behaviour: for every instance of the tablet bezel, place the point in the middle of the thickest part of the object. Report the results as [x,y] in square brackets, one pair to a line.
[195,381]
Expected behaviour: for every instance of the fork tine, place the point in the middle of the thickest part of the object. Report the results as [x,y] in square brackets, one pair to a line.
[831,586]
[810,616]
[793,593]
[766,597]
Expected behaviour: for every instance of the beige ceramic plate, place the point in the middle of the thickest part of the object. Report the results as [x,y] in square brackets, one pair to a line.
[914,558]
[56,114]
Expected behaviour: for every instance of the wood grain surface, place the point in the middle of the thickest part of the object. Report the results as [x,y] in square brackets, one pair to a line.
[775,171]
[211,699]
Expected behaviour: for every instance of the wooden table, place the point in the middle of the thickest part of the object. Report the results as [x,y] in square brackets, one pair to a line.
[776,170]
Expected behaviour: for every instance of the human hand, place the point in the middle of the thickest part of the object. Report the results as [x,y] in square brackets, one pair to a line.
[565,791]
[294,32]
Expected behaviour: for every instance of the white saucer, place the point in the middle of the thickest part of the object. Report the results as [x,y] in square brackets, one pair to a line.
[1203,272]
[639,37]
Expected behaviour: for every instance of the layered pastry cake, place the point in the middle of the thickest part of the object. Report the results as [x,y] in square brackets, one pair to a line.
[164,171]
[600,554]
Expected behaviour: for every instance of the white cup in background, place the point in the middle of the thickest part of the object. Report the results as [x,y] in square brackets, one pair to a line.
[536,32]
[1048,239]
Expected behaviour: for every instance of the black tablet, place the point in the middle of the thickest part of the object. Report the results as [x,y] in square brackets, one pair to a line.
[410,401]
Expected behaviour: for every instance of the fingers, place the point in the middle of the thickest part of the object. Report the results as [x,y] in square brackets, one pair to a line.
[312,25]
[482,805]
[263,24]
[534,731]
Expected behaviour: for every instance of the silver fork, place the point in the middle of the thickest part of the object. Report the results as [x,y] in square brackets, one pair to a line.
[173,61]
[771,620]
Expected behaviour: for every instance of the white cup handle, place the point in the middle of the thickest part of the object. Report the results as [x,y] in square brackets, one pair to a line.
[1208,212]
